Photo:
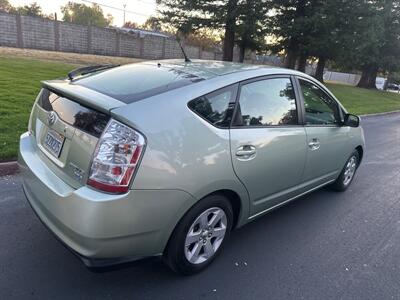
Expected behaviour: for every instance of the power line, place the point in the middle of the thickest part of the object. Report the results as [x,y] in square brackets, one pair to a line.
[117,8]
[146,2]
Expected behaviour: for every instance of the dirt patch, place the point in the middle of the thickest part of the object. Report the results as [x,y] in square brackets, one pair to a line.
[65,57]
[9,168]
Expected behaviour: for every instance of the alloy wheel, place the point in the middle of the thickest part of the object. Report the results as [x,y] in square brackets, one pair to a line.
[350,170]
[205,235]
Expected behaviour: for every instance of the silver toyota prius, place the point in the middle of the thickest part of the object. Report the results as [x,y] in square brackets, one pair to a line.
[167,158]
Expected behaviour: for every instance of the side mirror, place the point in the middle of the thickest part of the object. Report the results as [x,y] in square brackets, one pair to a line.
[351,120]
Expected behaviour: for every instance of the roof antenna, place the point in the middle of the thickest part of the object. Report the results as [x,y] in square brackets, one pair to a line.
[183,51]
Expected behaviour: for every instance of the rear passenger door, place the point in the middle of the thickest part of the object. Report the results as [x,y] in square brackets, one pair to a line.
[268,144]
[327,139]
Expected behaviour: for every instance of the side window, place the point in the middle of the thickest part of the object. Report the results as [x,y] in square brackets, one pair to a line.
[269,102]
[216,107]
[320,108]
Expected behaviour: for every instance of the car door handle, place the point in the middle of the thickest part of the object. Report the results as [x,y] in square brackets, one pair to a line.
[314,144]
[246,152]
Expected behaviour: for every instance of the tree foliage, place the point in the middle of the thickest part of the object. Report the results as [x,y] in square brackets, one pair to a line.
[377,41]
[252,26]
[33,10]
[241,21]
[5,6]
[357,34]
[130,24]
[85,15]
[188,16]
[152,23]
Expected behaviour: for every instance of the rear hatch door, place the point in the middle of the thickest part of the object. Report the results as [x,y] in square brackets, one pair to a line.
[67,121]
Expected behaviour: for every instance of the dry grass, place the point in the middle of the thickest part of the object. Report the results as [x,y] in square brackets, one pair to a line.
[64,57]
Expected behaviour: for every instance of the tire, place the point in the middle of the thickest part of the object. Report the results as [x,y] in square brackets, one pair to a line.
[347,175]
[192,246]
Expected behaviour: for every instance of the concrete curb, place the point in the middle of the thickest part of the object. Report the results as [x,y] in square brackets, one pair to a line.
[381,114]
[9,168]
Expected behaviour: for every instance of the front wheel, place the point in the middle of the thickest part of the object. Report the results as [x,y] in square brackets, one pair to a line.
[200,235]
[347,175]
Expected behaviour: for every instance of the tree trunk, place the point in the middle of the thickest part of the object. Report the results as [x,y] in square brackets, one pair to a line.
[368,78]
[302,62]
[389,79]
[242,53]
[319,72]
[292,49]
[229,36]
[290,60]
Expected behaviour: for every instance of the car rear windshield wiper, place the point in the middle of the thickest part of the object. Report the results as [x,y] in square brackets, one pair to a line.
[89,69]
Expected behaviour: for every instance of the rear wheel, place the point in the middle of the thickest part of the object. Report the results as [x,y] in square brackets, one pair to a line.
[347,175]
[200,235]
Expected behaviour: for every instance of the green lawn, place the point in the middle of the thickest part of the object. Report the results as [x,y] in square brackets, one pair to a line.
[20,83]
[362,101]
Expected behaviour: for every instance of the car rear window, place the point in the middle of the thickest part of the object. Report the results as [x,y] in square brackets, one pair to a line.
[75,114]
[134,82]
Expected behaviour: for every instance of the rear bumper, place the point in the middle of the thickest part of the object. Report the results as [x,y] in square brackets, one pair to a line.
[102,229]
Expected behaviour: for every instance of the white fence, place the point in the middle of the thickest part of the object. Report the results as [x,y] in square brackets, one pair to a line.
[345,78]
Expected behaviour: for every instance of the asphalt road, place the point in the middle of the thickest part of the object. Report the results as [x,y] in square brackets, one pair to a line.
[325,245]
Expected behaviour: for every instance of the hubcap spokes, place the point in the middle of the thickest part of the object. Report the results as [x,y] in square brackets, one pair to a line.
[205,235]
[350,170]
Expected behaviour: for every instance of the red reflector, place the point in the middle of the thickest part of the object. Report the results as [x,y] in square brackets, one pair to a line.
[136,155]
[115,189]
[116,171]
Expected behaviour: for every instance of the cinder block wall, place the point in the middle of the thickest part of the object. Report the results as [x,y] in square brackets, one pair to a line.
[37,33]
[73,38]
[8,30]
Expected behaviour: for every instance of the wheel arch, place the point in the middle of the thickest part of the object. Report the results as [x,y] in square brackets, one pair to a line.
[238,202]
[360,151]
[235,201]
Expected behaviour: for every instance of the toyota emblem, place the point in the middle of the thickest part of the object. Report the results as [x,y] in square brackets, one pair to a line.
[51,118]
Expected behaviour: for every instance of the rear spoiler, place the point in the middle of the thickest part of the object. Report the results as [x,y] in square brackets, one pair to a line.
[82,95]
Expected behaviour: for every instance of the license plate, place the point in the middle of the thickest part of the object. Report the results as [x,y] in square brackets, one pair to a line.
[54,142]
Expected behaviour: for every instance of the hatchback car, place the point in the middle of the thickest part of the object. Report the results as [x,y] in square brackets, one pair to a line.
[166,158]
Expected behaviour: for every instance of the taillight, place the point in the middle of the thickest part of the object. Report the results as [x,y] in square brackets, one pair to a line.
[116,157]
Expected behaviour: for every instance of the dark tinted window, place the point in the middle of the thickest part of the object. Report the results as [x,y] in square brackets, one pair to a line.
[267,102]
[320,108]
[216,107]
[137,81]
[79,116]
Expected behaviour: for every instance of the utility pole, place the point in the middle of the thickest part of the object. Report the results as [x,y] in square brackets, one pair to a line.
[124,5]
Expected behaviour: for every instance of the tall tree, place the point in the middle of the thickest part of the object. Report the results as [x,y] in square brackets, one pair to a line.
[252,26]
[391,46]
[290,25]
[366,42]
[188,16]
[85,15]
[333,27]
[375,42]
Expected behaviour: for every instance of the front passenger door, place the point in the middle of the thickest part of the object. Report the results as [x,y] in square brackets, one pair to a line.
[328,148]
